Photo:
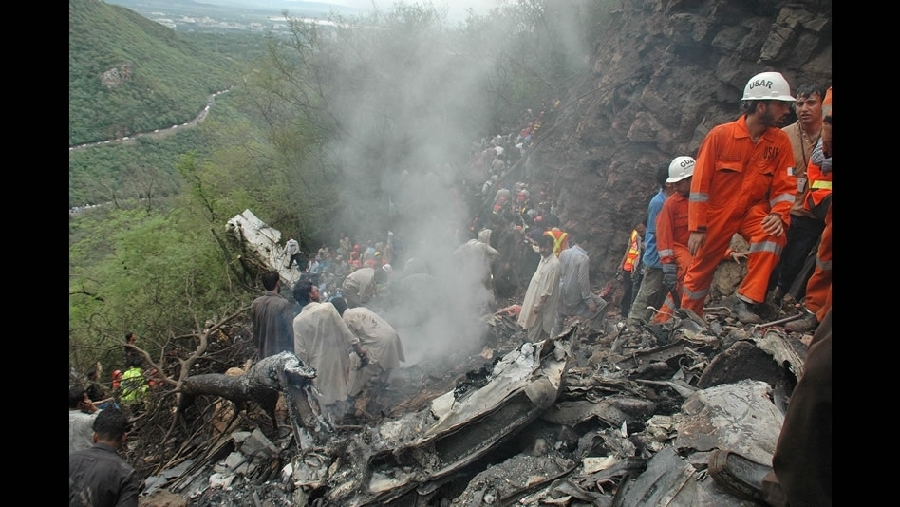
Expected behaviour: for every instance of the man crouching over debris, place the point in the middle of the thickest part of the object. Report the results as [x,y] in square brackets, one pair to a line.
[322,341]
[382,345]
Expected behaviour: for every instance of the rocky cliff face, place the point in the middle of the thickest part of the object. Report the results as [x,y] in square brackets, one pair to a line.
[664,73]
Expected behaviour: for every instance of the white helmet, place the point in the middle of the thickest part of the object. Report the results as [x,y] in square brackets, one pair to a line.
[680,168]
[387,268]
[768,86]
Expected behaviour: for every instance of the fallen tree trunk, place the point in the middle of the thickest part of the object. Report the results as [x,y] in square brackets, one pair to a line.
[262,384]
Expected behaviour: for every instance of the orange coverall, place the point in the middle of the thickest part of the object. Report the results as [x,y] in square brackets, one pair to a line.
[736,184]
[671,242]
[818,289]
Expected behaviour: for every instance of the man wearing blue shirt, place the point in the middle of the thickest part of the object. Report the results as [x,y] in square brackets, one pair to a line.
[651,292]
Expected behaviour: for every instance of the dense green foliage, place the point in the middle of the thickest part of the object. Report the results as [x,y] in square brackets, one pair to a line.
[315,138]
[164,79]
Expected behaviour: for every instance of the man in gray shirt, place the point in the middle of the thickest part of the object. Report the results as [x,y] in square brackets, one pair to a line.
[98,476]
[272,318]
[575,297]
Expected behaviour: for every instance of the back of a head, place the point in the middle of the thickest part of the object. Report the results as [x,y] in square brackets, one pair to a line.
[301,290]
[577,235]
[661,174]
[76,395]
[380,276]
[339,303]
[544,241]
[110,424]
[270,279]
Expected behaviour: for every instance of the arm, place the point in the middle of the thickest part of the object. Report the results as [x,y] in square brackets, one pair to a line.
[704,170]
[783,189]
[584,281]
[665,240]
[818,158]
[130,490]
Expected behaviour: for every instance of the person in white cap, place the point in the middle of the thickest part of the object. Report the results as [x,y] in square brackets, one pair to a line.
[743,183]
[672,236]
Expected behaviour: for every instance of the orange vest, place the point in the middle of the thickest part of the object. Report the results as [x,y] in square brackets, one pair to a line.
[634,252]
[560,240]
[819,185]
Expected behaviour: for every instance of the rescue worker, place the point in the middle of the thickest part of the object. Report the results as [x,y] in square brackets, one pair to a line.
[134,389]
[560,238]
[801,472]
[631,262]
[818,289]
[672,236]
[650,292]
[743,184]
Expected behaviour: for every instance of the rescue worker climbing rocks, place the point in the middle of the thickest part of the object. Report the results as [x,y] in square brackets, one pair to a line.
[743,183]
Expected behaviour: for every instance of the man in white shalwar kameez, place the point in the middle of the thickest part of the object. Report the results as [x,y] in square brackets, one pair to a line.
[378,339]
[575,296]
[323,341]
[539,306]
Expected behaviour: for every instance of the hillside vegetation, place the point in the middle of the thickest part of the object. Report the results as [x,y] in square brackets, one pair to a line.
[316,138]
[157,78]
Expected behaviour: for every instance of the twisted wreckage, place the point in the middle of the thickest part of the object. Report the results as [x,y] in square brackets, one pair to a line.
[617,418]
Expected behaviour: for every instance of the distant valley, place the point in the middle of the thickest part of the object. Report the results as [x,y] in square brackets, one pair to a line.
[230,15]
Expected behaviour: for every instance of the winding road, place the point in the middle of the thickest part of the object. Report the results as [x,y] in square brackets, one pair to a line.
[158,133]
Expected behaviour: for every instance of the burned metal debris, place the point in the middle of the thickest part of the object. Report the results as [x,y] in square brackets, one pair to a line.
[566,421]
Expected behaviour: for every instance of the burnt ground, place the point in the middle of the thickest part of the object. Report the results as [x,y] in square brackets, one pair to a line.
[198,446]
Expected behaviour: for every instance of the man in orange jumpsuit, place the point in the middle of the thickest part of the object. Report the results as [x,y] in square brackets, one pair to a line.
[818,289]
[672,236]
[802,469]
[743,183]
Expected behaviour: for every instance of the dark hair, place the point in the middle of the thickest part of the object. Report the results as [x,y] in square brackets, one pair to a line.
[92,372]
[340,304]
[301,290]
[380,275]
[128,336]
[110,424]
[577,235]
[76,396]
[270,279]
[544,241]
[809,89]
[662,174]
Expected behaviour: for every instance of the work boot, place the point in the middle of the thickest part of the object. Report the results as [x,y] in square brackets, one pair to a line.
[806,323]
[746,313]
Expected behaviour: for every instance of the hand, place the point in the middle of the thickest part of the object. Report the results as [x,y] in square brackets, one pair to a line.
[537,308]
[592,306]
[738,256]
[695,241]
[670,276]
[773,225]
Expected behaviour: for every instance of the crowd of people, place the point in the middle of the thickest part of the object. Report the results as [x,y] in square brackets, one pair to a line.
[750,177]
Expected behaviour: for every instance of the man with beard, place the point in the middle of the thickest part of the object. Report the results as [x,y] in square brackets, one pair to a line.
[539,305]
[743,183]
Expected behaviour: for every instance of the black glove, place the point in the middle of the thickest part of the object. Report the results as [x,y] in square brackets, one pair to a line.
[670,276]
